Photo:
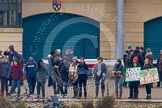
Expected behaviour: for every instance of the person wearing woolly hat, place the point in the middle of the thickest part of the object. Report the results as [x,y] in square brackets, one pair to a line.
[73,76]
[149,55]
[129,47]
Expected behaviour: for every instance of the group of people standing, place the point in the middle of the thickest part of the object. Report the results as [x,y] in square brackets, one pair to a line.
[73,72]
[135,58]
[12,73]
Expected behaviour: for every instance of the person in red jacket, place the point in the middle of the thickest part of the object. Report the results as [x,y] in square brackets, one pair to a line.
[17,75]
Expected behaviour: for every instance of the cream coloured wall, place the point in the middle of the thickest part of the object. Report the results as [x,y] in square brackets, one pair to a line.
[11,36]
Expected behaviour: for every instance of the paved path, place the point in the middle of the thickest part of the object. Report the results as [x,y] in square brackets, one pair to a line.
[156,92]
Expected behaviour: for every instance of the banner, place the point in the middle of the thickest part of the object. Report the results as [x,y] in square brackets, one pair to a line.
[149,76]
[132,74]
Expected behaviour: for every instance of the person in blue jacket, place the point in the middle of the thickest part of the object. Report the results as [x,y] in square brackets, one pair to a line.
[30,68]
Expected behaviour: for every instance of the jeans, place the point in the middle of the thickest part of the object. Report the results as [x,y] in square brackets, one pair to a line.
[83,81]
[14,84]
[99,80]
[41,85]
[118,83]
[4,84]
[31,84]
[148,88]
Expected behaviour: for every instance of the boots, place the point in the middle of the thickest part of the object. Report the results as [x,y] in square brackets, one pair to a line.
[18,93]
[116,93]
[120,96]
[103,91]
[96,93]
[2,93]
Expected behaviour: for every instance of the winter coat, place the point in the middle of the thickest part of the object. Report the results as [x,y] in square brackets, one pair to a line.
[73,72]
[83,67]
[16,72]
[41,73]
[5,69]
[69,57]
[118,68]
[149,56]
[140,57]
[159,67]
[64,69]
[83,71]
[147,66]
[103,69]
[30,69]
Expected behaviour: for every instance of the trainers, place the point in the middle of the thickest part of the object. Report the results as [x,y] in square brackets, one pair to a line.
[65,95]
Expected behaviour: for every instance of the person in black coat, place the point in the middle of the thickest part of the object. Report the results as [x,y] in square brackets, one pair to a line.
[133,86]
[148,65]
[83,70]
[159,67]
[64,72]
[136,55]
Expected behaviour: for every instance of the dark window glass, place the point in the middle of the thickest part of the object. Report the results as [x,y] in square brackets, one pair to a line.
[10,13]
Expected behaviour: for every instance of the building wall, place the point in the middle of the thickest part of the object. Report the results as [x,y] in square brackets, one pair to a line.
[104,11]
[11,36]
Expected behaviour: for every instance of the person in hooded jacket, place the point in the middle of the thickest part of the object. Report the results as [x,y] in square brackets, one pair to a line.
[17,76]
[83,70]
[5,70]
[41,78]
[30,69]
[118,78]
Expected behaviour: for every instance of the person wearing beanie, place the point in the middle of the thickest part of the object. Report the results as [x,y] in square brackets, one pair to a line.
[118,78]
[73,76]
[99,72]
[149,55]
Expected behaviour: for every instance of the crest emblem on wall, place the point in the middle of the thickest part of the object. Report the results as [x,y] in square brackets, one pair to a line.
[56,5]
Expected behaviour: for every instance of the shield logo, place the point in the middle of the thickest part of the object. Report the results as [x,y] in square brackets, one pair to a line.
[56,5]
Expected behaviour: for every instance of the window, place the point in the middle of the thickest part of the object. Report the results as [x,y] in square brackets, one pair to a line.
[10,13]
